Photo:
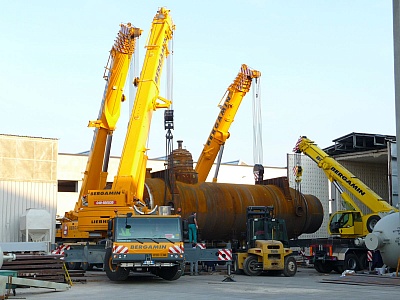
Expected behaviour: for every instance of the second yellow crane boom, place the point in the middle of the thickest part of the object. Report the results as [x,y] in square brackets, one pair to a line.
[116,71]
[229,106]
[126,192]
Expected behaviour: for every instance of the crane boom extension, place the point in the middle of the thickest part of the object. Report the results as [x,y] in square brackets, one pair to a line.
[116,71]
[353,222]
[132,167]
[128,185]
[220,131]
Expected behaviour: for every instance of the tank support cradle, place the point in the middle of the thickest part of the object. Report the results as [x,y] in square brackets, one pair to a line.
[229,277]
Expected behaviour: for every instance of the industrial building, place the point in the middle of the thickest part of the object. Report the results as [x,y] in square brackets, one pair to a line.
[35,177]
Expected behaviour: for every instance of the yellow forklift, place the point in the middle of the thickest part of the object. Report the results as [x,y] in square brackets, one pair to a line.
[267,245]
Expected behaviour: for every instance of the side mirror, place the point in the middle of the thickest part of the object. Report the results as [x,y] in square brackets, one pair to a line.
[109,228]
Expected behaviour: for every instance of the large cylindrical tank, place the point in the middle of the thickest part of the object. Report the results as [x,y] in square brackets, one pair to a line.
[386,238]
[221,207]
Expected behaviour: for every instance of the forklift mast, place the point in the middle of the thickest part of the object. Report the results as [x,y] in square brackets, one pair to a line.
[261,225]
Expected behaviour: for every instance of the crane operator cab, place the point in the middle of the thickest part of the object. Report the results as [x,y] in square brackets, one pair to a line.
[144,243]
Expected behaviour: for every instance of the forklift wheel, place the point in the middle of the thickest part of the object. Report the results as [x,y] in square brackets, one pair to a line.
[290,268]
[250,266]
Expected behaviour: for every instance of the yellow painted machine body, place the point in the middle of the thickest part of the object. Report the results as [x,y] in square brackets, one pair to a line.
[270,253]
[116,71]
[350,223]
[229,106]
[95,174]
[127,189]
[69,230]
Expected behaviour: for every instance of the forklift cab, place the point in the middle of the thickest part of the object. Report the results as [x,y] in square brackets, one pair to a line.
[261,225]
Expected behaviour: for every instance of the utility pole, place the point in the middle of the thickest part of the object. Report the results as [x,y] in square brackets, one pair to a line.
[396,44]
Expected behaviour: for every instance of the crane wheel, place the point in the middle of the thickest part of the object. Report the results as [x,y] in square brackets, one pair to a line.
[371,222]
[351,262]
[73,265]
[170,273]
[323,267]
[114,272]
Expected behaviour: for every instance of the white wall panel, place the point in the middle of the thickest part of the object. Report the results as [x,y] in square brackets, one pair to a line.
[16,198]
[314,182]
[28,179]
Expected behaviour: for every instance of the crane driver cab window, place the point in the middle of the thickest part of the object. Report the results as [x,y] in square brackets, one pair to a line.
[341,220]
[137,228]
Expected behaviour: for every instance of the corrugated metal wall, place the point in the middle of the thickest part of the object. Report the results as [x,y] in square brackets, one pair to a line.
[28,179]
[373,175]
[394,183]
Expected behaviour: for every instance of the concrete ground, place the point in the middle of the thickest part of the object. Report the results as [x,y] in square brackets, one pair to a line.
[306,284]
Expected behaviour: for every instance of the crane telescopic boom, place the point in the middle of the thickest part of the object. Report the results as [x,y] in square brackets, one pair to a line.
[128,185]
[116,71]
[229,106]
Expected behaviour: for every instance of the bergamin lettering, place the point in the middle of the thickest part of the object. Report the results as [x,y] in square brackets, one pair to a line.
[348,181]
[219,118]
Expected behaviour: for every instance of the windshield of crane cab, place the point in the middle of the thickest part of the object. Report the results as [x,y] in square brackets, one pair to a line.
[148,228]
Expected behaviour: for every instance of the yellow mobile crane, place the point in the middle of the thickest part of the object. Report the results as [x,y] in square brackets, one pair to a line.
[95,175]
[229,106]
[138,238]
[349,225]
[126,192]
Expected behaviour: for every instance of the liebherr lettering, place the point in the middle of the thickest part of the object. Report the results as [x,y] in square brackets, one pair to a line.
[348,181]
[98,221]
[220,116]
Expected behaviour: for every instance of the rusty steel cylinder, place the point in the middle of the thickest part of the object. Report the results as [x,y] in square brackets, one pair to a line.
[221,207]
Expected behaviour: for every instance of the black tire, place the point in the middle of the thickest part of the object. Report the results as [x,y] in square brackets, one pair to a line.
[351,262]
[170,273]
[290,267]
[363,261]
[85,266]
[338,269]
[250,266]
[73,265]
[321,267]
[114,272]
[371,222]
[316,267]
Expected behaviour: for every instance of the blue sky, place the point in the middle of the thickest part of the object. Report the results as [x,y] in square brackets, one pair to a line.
[327,70]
